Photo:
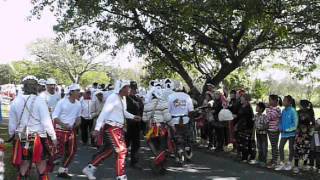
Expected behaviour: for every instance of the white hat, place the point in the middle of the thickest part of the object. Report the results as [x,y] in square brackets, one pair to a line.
[225,115]
[29,77]
[74,87]
[42,82]
[51,81]
[121,84]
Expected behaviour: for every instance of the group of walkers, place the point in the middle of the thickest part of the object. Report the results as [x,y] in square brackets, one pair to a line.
[250,132]
[44,123]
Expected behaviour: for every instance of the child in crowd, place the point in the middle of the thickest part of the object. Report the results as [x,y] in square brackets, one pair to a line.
[315,147]
[304,135]
[287,126]
[261,126]
[273,113]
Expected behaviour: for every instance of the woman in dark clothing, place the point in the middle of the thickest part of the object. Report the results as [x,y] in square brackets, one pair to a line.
[234,105]
[219,126]
[303,137]
[244,127]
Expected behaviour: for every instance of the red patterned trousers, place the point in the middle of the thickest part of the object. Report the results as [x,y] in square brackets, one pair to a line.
[113,140]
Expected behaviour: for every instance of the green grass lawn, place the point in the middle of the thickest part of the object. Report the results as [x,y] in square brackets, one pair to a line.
[10,171]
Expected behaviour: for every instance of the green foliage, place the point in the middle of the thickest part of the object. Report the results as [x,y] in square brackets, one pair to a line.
[259,90]
[93,76]
[238,79]
[6,74]
[41,71]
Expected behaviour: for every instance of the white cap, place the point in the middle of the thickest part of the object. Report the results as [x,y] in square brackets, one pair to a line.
[51,81]
[29,77]
[121,84]
[74,87]
[225,115]
[42,82]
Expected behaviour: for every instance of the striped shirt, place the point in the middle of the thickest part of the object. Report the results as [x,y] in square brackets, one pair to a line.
[273,115]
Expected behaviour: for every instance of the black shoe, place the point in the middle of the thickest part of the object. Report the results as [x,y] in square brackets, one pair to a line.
[64,175]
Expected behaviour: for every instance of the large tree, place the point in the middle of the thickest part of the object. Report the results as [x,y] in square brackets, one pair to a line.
[68,59]
[6,74]
[213,37]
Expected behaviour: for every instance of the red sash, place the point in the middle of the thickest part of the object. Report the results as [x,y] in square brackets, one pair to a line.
[17,153]
[37,150]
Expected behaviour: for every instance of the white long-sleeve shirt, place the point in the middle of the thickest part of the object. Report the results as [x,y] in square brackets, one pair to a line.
[29,114]
[114,112]
[67,112]
[180,104]
[86,108]
[51,99]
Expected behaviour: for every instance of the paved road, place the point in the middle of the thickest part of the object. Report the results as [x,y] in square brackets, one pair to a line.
[204,166]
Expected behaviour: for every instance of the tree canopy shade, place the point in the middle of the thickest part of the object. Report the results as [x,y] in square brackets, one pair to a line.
[215,37]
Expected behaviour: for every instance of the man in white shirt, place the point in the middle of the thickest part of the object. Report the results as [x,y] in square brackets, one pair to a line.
[29,124]
[51,95]
[112,121]
[86,116]
[180,106]
[96,107]
[66,118]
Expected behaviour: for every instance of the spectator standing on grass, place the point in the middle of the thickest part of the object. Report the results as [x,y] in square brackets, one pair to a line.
[304,135]
[287,126]
[274,114]
[261,126]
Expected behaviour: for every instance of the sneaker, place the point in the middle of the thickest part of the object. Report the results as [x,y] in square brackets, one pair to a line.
[296,170]
[280,166]
[252,162]
[188,153]
[244,161]
[288,166]
[123,177]
[89,171]
[63,173]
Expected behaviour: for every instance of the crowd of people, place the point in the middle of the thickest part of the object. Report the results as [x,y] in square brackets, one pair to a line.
[44,124]
[250,132]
